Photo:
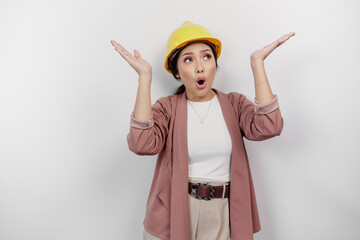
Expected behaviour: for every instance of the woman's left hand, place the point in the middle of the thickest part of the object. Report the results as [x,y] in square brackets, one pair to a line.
[262,53]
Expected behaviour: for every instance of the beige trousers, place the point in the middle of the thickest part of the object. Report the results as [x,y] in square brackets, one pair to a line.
[209,220]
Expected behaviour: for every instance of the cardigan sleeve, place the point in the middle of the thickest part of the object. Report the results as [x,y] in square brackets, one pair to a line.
[148,137]
[259,122]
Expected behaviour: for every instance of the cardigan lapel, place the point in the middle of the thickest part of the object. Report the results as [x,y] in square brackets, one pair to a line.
[180,218]
[240,202]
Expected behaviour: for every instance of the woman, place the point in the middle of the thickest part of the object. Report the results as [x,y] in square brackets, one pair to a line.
[198,136]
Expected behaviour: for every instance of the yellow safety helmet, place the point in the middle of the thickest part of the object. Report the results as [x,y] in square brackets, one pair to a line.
[189,32]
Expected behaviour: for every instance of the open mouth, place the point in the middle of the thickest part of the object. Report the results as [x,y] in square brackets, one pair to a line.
[201,82]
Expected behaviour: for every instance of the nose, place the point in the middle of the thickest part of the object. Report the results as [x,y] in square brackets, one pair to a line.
[199,68]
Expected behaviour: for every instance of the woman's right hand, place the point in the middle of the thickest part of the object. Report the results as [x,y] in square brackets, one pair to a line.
[140,65]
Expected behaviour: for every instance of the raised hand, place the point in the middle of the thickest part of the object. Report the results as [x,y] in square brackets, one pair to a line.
[140,65]
[262,53]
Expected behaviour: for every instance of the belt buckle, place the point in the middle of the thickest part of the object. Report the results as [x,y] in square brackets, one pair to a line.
[194,191]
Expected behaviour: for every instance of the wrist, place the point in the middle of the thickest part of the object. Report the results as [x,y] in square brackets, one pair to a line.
[256,62]
[145,78]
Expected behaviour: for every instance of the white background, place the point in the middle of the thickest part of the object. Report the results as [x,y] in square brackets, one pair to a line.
[66,96]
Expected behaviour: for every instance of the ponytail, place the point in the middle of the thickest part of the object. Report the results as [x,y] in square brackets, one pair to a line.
[180,90]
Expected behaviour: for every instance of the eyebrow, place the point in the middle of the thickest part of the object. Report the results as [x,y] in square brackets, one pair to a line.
[189,53]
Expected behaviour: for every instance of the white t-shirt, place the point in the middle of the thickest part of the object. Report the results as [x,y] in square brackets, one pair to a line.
[209,143]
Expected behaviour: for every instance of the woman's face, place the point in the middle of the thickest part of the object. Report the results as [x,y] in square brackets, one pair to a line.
[196,69]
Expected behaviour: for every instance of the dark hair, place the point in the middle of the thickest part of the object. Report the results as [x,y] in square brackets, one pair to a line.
[172,62]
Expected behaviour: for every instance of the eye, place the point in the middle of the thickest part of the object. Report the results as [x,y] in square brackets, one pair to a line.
[207,56]
[187,60]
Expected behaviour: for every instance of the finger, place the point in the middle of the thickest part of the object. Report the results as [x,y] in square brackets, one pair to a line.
[136,53]
[285,38]
[278,42]
[122,51]
[116,44]
[272,46]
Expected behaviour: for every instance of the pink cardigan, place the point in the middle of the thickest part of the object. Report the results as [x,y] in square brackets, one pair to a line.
[165,133]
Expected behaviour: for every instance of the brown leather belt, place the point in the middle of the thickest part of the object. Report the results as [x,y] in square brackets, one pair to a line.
[207,192]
